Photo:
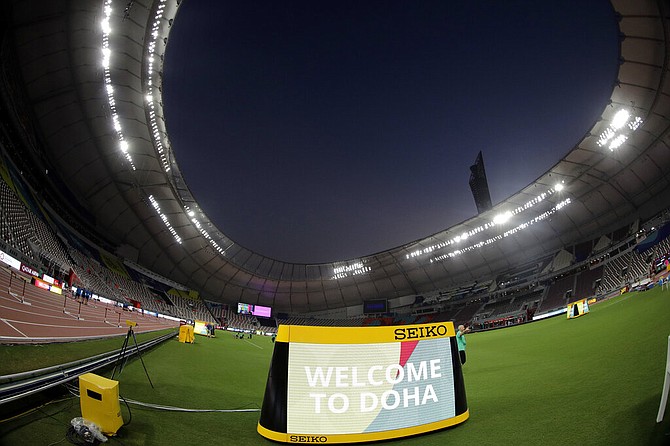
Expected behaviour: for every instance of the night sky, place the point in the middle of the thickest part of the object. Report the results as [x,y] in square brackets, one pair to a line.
[316,131]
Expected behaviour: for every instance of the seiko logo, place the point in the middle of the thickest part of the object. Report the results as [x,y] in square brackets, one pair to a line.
[420,332]
[308,439]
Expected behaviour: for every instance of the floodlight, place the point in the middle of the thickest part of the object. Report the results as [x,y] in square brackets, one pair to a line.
[620,119]
[124,146]
[605,136]
[502,218]
[105,26]
[617,142]
[635,123]
[106,55]
[559,187]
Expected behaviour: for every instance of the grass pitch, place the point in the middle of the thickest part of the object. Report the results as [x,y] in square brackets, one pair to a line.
[594,380]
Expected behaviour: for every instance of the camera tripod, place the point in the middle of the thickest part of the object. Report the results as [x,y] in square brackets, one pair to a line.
[123,354]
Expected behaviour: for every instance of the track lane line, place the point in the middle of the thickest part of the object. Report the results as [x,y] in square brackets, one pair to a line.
[13,327]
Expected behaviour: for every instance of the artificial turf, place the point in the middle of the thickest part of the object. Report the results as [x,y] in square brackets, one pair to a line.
[594,380]
[26,357]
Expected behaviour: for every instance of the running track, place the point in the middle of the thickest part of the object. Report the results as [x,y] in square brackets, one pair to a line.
[49,317]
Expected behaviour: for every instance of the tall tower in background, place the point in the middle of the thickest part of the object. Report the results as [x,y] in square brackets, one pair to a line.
[479,185]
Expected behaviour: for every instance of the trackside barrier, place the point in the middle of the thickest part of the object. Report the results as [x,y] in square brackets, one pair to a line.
[666,387]
[19,385]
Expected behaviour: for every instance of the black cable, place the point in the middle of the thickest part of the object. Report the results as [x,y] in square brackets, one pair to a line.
[130,414]
[53,416]
[59,441]
[34,409]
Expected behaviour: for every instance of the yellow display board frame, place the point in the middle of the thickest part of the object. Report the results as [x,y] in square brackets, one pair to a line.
[577,308]
[361,384]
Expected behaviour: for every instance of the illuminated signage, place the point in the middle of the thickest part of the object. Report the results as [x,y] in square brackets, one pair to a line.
[9,260]
[356,384]
[41,284]
[46,286]
[28,270]
[255,310]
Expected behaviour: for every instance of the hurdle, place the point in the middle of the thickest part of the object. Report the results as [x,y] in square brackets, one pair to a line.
[117,325]
[76,316]
[22,297]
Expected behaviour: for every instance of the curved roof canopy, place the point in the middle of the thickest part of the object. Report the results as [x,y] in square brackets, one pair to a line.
[92,73]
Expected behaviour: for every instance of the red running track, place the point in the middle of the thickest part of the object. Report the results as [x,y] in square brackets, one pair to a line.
[32,315]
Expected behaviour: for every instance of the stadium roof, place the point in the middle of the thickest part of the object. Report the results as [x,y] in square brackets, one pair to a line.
[91,71]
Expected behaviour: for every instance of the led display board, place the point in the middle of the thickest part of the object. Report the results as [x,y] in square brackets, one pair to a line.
[255,310]
[375,306]
[358,384]
[200,327]
[46,286]
[578,308]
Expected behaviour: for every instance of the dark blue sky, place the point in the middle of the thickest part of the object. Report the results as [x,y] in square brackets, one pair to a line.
[315,131]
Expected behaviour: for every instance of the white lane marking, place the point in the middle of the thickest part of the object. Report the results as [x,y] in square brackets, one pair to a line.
[248,341]
[7,322]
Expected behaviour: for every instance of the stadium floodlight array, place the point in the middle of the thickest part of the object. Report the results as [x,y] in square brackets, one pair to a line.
[358,267]
[124,146]
[497,221]
[620,127]
[151,60]
[163,217]
[353,269]
[507,233]
[109,88]
[203,231]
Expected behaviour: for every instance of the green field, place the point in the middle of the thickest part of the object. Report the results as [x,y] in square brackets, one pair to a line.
[595,380]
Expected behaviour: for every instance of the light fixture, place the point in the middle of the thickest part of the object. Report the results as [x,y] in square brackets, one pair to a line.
[502,218]
[620,119]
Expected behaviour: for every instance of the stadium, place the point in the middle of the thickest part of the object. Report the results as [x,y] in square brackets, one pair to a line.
[99,232]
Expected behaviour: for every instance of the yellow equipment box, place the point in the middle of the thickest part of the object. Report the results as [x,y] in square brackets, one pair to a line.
[99,399]
[186,334]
